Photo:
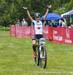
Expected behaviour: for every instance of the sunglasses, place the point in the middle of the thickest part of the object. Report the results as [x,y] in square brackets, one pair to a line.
[37,17]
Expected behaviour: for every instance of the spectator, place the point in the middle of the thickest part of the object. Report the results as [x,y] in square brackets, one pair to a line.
[18,22]
[72,25]
[62,22]
[24,22]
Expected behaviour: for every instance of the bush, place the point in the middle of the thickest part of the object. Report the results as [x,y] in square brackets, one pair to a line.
[3,28]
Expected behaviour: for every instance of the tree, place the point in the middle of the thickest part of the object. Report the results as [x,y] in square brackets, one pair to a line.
[70,5]
[11,10]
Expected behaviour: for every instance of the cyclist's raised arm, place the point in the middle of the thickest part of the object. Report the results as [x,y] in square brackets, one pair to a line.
[47,10]
[28,13]
[46,13]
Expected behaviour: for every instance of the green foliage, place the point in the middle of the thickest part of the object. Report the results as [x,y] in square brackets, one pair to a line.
[70,5]
[3,28]
[11,10]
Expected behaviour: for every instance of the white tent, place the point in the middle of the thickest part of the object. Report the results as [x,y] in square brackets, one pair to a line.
[64,14]
[70,12]
[67,13]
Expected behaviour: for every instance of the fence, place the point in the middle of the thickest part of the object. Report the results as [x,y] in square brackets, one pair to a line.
[55,34]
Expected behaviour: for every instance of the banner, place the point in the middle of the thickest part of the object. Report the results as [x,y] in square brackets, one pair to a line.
[58,35]
[50,33]
[45,32]
[71,33]
[26,31]
[68,35]
[19,31]
[12,30]
[54,34]
[32,31]
[63,35]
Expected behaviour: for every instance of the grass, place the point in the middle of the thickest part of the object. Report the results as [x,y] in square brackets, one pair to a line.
[16,57]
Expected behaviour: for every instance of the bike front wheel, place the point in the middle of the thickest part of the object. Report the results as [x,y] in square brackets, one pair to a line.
[43,57]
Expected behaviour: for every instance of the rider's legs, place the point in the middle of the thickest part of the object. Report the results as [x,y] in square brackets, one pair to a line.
[34,44]
[34,48]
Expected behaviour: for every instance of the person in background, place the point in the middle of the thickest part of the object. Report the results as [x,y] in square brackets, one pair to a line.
[24,22]
[72,25]
[62,22]
[18,22]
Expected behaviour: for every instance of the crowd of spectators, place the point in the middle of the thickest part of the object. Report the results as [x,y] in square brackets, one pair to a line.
[23,22]
[53,23]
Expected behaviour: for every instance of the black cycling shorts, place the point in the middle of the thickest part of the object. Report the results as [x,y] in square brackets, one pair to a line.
[37,36]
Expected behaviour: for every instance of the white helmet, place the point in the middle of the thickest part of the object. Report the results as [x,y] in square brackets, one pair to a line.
[37,14]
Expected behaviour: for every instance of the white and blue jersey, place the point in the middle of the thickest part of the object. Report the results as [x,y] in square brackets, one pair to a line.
[38,27]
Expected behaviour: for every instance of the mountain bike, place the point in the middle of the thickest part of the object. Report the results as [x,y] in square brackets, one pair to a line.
[41,59]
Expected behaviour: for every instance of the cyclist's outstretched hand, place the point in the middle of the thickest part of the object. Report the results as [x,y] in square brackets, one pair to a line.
[25,8]
[28,13]
[49,6]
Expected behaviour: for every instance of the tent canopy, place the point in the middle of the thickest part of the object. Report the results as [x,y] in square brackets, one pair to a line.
[52,16]
[70,12]
[67,13]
